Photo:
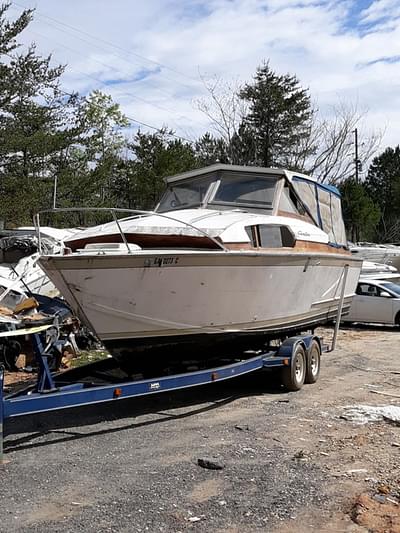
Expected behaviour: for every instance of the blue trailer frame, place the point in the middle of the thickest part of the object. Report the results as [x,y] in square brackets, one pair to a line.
[54,392]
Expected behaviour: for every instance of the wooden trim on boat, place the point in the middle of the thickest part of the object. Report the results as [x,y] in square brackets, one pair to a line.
[308,246]
[240,246]
[300,246]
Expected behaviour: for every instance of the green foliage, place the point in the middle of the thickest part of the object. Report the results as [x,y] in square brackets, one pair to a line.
[361,215]
[102,121]
[279,117]
[210,150]
[383,184]
[154,156]
[34,131]
[102,144]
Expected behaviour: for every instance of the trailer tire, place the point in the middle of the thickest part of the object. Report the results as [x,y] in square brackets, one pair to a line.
[313,362]
[293,376]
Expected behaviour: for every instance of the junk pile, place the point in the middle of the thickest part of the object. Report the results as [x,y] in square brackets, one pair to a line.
[19,269]
[53,320]
[29,302]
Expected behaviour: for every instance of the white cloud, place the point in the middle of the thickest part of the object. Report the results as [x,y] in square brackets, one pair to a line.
[381,9]
[148,55]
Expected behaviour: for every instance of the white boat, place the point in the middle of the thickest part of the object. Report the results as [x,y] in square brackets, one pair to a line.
[379,271]
[387,254]
[19,268]
[231,257]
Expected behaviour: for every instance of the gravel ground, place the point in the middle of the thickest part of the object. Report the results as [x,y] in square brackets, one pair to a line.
[290,462]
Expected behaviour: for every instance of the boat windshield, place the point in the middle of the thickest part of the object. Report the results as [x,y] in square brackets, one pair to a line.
[250,192]
[185,194]
[246,191]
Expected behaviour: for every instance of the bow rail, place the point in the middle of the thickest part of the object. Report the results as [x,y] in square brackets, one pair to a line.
[137,213]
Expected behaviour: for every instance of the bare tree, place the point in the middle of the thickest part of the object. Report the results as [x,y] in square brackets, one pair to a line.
[223,107]
[330,141]
[334,160]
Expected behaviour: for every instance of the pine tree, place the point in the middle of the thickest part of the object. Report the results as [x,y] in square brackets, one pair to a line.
[279,116]
[154,156]
[34,124]
[361,214]
[383,184]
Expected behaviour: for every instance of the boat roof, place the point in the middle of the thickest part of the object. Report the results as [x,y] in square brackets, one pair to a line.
[220,167]
[233,168]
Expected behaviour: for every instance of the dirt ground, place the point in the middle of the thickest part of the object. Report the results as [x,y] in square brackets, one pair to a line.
[291,462]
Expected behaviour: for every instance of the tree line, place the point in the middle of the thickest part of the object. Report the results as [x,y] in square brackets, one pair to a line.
[81,144]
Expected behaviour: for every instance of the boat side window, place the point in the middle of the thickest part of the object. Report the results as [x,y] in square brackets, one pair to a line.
[14,248]
[274,236]
[323,202]
[190,193]
[306,191]
[290,204]
[271,236]
[287,201]
[252,232]
[246,191]
[337,220]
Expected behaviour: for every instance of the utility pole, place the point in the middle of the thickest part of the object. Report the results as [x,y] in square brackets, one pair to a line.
[55,192]
[357,162]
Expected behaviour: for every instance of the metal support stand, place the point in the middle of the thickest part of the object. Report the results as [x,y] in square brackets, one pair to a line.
[340,309]
[45,381]
[1,412]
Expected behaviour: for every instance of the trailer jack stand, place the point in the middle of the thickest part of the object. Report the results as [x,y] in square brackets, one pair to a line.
[2,461]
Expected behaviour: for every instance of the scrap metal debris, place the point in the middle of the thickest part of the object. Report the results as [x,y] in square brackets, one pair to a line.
[40,314]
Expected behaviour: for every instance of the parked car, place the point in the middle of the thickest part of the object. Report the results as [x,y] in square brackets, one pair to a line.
[375,301]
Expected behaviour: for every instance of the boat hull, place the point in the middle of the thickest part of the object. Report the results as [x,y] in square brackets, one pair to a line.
[149,302]
[385,256]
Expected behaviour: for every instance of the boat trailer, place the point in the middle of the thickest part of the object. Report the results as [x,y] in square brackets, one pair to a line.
[105,381]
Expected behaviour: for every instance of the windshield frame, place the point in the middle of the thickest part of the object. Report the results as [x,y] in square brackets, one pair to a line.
[215,179]
[246,206]
[202,204]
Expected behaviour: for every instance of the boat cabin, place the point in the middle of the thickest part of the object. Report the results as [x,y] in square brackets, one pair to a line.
[258,190]
[232,207]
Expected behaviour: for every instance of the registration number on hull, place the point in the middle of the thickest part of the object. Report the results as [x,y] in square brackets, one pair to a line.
[161,261]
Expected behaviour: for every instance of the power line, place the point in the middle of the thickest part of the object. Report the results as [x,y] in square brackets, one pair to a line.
[140,99]
[107,66]
[131,119]
[108,43]
[120,57]
[159,130]
[136,121]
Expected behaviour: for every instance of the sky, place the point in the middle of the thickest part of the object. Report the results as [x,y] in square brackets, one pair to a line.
[152,55]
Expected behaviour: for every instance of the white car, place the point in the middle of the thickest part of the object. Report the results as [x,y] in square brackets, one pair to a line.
[375,301]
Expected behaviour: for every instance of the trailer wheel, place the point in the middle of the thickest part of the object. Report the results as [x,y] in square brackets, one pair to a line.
[293,376]
[313,362]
